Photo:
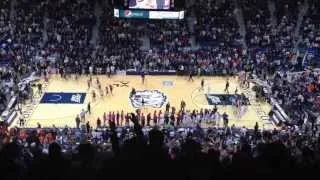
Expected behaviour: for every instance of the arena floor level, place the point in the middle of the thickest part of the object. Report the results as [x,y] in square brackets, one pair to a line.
[60,102]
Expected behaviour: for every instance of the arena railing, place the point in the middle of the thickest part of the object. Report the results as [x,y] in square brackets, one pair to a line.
[280,115]
[10,114]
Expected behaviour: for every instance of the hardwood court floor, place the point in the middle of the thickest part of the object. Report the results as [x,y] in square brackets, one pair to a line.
[64,114]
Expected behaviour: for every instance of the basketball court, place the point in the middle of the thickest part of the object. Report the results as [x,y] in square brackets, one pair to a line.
[63,99]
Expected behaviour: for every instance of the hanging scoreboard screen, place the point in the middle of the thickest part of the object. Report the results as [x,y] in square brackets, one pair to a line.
[151,4]
[145,14]
[149,9]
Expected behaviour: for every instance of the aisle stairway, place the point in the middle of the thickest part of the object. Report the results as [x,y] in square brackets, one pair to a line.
[242,26]
[145,43]
[303,11]
[45,26]
[263,116]
[272,9]
[190,21]
[95,29]
[31,105]
[12,10]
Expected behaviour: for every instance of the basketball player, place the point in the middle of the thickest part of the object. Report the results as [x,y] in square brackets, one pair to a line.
[98,81]
[142,77]
[226,89]
[83,115]
[133,92]
[155,118]
[40,88]
[238,107]
[127,118]
[190,76]
[78,120]
[101,92]
[202,84]
[89,84]
[148,119]
[61,71]
[121,118]
[98,84]
[113,117]
[108,72]
[111,89]
[21,121]
[182,106]
[199,72]
[104,118]
[160,118]
[225,118]
[107,90]
[118,118]
[89,108]
[142,102]
[46,75]
[94,95]
[142,120]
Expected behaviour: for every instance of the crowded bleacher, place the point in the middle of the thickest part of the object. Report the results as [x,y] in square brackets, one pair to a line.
[73,37]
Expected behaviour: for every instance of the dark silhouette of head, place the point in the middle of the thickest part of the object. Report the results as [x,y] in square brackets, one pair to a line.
[54,150]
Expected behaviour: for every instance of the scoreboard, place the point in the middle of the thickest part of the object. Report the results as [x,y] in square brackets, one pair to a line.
[149,9]
[150,4]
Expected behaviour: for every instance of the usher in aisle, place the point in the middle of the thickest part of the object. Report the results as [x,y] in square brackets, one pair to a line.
[64,99]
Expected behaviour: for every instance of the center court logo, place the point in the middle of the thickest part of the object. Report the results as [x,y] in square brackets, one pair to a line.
[154,99]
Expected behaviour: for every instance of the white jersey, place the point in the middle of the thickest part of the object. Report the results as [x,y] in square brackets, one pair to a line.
[198,118]
[161,119]
[207,117]
[209,89]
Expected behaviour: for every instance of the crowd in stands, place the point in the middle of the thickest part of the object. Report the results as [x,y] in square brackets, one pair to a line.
[169,35]
[287,15]
[63,29]
[29,26]
[271,41]
[69,30]
[215,23]
[184,153]
[5,25]
[310,35]
[310,26]
[298,95]
[258,23]
[5,32]
[119,43]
